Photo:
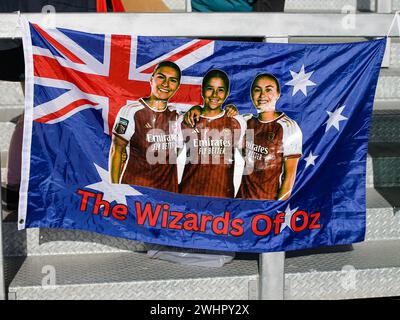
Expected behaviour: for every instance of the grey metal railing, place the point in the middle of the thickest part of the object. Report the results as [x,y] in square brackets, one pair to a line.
[212,24]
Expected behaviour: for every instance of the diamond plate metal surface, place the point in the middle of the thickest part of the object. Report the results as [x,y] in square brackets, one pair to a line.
[383,220]
[34,242]
[130,276]
[385,125]
[384,164]
[366,270]
[369,270]
[11,267]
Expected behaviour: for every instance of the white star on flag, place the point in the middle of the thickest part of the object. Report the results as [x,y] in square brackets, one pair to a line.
[300,81]
[112,191]
[335,118]
[310,159]
[288,217]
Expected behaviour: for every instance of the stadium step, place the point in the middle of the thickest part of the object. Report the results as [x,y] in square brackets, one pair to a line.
[11,94]
[383,223]
[10,112]
[129,276]
[385,122]
[383,214]
[383,164]
[6,131]
[388,87]
[364,270]
[43,242]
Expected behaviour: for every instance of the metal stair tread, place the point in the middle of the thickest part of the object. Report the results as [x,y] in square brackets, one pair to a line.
[308,274]
[362,256]
[377,199]
[384,149]
[121,268]
[381,197]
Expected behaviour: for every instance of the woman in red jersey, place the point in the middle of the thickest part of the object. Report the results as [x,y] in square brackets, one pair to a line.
[274,152]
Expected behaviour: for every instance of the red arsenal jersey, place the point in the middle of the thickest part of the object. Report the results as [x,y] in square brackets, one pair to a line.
[274,141]
[210,148]
[152,147]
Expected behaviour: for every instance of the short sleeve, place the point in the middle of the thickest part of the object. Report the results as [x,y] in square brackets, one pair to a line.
[292,138]
[124,125]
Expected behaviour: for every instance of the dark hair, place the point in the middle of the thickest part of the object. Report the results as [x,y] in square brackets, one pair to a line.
[170,64]
[268,76]
[216,73]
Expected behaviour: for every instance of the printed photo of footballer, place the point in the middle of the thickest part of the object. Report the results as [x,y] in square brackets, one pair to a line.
[211,142]
[145,125]
[274,153]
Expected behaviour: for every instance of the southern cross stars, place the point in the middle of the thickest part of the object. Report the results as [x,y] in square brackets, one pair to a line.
[334,118]
[112,192]
[310,159]
[300,81]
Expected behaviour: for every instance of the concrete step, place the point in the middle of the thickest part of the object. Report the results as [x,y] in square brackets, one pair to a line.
[388,87]
[364,270]
[383,223]
[383,164]
[11,94]
[9,112]
[6,131]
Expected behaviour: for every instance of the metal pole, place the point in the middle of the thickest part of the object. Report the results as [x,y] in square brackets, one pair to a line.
[272,276]
[272,265]
[2,282]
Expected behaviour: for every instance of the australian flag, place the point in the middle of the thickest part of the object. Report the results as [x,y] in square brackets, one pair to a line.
[77,82]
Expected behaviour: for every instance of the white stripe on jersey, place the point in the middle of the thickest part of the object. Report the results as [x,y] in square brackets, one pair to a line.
[127,113]
[243,128]
[292,136]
